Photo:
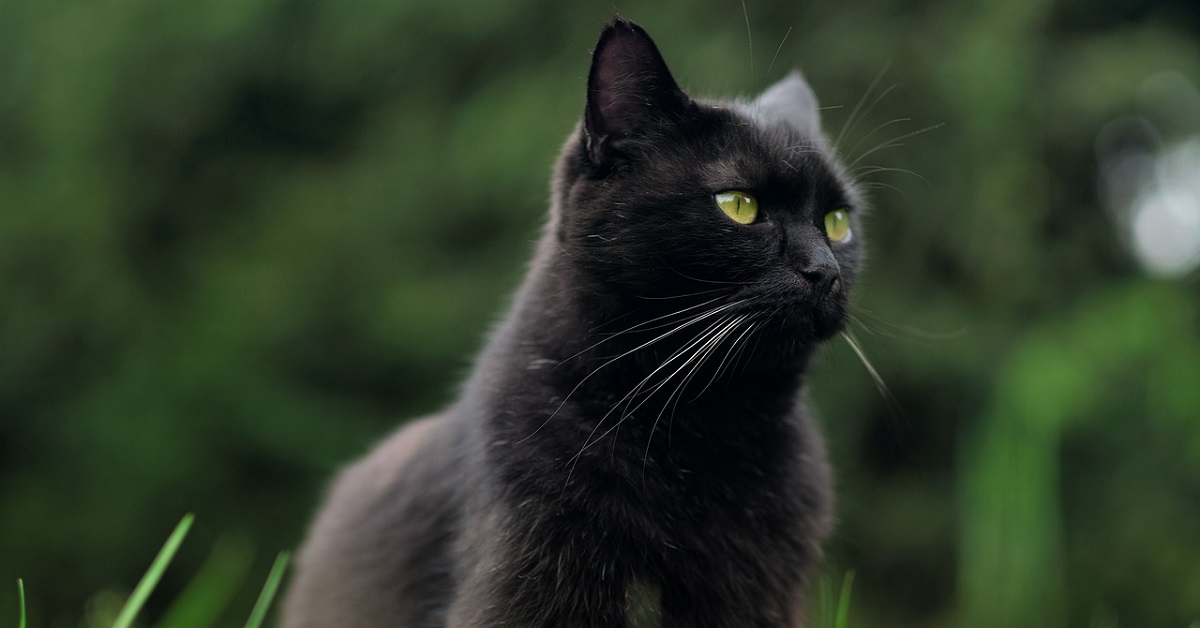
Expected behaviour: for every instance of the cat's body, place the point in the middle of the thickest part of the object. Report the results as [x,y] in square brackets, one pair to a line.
[632,447]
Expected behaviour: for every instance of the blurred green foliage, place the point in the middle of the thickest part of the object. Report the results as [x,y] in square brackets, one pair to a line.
[241,240]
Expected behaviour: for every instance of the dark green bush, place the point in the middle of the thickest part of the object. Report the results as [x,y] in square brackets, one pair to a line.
[241,240]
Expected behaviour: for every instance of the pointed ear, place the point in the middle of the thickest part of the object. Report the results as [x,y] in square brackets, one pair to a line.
[630,89]
[791,100]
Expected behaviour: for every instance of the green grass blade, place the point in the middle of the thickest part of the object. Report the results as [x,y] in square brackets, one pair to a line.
[210,591]
[20,603]
[268,592]
[843,612]
[142,591]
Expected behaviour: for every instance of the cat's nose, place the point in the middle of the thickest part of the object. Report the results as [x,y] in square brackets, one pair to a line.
[824,277]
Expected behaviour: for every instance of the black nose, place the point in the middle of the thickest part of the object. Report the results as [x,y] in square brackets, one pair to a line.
[823,277]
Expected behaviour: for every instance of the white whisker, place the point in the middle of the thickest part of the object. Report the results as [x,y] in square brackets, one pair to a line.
[873,132]
[894,142]
[699,357]
[907,329]
[592,439]
[869,170]
[749,39]
[869,185]
[684,296]
[777,50]
[686,323]
[642,326]
[854,113]
[727,362]
[880,385]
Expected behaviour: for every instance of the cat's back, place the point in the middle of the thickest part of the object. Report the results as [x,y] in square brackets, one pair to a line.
[389,519]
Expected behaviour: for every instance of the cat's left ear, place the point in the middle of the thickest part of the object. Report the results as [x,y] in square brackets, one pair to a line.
[630,90]
[791,100]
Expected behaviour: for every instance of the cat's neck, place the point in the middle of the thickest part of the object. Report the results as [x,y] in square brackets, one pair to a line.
[560,402]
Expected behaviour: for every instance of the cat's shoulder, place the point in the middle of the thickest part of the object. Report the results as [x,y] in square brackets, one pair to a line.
[405,453]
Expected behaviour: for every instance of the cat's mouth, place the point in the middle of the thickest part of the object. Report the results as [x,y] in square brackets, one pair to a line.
[799,307]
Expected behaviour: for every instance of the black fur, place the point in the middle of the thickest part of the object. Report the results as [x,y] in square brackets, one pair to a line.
[606,453]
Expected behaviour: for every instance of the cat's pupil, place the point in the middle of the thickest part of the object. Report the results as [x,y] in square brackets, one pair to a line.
[740,206]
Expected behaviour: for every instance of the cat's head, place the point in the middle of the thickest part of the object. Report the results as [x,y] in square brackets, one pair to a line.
[659,196]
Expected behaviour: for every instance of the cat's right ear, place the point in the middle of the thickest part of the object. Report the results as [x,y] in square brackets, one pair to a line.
[630,90]
[791,100]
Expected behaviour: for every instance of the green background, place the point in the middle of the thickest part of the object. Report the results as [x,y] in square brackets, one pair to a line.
[242,239]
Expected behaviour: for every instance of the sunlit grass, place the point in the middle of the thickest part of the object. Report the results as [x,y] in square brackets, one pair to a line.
[270,588]
[834,612]
[195,607]
[141,593]
[21,603]
[843,610]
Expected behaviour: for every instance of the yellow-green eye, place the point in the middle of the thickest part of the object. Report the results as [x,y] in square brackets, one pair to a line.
[739,206]
[837,225]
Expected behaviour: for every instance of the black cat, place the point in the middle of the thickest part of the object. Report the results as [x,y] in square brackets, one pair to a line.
[632,447]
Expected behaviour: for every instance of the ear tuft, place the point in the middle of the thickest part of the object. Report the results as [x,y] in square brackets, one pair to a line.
[629,88]
[791,100]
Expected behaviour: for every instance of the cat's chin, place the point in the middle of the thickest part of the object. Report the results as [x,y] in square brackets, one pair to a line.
[791,336]
[828,317]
